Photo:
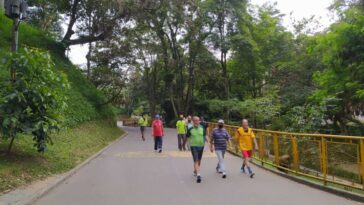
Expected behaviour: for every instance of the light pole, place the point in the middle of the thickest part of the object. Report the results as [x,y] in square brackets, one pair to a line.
[15,10]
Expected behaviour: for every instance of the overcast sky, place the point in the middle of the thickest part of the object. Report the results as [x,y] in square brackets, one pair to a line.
[299,9]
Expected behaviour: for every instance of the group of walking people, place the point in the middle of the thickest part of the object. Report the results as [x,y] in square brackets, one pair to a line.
[192,135]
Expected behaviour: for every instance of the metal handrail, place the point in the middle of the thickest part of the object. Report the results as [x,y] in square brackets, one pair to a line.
[328,150]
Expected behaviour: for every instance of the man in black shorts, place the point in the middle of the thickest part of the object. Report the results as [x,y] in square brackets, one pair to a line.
[197,137]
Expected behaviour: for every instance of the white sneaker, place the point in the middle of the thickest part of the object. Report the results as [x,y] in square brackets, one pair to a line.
[223,175]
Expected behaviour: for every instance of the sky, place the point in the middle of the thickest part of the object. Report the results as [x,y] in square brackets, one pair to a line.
[298,8]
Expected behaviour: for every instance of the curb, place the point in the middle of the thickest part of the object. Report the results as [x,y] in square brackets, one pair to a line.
[341,193]
[70,173]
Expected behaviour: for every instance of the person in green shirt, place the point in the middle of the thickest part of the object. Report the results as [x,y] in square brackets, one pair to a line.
[181,133]
[143,122]
[197,138]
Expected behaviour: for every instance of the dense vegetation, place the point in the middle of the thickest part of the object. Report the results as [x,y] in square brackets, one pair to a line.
[61,96]
[219,58]
[84,101]
[231,59]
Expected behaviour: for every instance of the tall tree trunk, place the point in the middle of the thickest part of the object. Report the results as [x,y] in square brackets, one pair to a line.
[191,84]
[88,58]
[175,111]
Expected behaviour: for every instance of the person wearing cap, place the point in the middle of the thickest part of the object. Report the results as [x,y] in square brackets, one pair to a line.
[245,137]
[219,139]
[181,133]
[157,133]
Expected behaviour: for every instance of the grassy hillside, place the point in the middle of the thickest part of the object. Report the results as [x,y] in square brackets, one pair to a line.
[71,147]
[84,99]
[89,127]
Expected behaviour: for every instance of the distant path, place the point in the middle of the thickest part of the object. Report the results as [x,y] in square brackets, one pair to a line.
[130,173]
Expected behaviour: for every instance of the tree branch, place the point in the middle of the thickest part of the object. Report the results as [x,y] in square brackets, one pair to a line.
[73,18]
[86,39]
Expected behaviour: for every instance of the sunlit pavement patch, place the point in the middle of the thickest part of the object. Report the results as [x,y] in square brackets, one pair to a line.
[164,154]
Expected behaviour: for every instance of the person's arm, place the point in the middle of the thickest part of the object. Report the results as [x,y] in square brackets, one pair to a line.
[255,141]
[162,130]
[188,134]
[212,141]
[206,138]
[152,129]
[228,139]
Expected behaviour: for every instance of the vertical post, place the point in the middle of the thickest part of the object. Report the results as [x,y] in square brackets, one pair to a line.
[14,46]
[276,149]
[295,153]
[362,160]
[324,159]
[261,146]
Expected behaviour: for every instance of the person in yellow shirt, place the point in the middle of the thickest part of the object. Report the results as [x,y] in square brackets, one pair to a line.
[143,122]
[181,133]
[245,137]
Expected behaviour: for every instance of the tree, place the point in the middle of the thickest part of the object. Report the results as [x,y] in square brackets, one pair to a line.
[33,104]
[341,84]
[226,15]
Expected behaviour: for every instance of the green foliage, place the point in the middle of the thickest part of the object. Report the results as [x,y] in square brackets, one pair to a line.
[84,101]
[342,82]
[260,111]
[34,102]
[306,119]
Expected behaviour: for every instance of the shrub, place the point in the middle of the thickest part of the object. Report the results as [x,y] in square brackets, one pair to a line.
[33,101]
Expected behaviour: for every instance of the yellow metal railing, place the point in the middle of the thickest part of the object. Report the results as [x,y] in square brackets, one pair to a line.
[331,159]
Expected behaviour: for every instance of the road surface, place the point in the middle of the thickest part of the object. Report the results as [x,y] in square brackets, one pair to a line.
[130,173]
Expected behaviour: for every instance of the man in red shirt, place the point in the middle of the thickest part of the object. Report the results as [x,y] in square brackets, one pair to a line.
[157,133]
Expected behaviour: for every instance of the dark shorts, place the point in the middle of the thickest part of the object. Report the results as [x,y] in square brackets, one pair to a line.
[142,128]
[197,153]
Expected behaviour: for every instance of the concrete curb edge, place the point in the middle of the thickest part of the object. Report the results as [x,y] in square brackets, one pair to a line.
[73,171]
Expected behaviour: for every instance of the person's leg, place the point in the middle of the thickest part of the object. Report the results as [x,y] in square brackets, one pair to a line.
[220,157]
[180,138]
[155,144]
[194,157]
[160,143]
[244,154]
[223,164]
[142,129]
[198,167]
[200,153]
[184,140]
[247,163]
[218,154]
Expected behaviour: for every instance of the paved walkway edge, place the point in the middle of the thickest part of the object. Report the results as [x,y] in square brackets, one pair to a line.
[69,174]
[342,193]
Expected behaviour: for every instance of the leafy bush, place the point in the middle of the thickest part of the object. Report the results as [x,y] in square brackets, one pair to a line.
[34,101]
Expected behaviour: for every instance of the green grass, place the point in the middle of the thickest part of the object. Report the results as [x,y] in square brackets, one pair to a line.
[71,147]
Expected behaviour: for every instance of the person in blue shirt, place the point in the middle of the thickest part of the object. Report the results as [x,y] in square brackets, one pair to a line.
[219,139]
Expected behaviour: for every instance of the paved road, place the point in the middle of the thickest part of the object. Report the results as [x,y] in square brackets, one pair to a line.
[130,173]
